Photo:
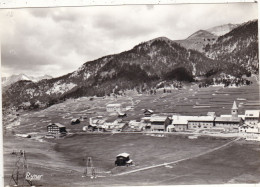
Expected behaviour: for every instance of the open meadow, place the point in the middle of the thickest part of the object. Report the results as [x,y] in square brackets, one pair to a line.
[169,160]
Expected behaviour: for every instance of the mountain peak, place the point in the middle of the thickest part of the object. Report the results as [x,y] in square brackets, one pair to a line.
[222,29]
[201,34]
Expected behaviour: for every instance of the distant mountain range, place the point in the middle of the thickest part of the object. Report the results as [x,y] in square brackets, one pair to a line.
[201,38]
[6,81]
[203,54]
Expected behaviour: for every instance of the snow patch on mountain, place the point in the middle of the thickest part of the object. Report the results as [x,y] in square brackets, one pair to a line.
[15,78]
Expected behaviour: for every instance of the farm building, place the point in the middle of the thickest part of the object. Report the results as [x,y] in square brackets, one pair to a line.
[56,128]
[159,123]
[123,160]
[252,116]
[148,112]
[114,107]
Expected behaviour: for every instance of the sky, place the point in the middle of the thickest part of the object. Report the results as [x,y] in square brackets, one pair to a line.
[57,41]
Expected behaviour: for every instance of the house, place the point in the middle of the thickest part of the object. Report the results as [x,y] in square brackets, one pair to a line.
[148,112]
[170,128]
[75,121]
[147,123]
[114,107]
[230,123]
[249,128]
[136,125]
[96,121]
[95,128]
[123,160]
[114,125]
[200,122]
[121,115]
[180,123]
[250,131]
[129,108]
[252,116]
[56,129]
[159,123]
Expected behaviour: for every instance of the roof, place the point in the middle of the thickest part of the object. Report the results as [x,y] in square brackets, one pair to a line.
[211,113]
[148,110]
[75,119]
[114,105]
[252,113]
[234,107]
[123,155]
[158,118]
[177,119]
[57,124]
[228,119]
[229,116]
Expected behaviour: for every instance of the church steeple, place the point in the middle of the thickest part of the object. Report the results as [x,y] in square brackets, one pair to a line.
[234,110]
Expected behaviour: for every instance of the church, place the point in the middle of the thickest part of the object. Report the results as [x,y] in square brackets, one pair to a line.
[230,122]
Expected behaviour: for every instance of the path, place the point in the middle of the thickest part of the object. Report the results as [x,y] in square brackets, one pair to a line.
[174,162]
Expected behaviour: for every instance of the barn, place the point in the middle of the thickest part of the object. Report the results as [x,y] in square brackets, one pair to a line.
[159,123]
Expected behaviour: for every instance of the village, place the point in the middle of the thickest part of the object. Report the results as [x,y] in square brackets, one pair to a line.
[127,129]
[246,125]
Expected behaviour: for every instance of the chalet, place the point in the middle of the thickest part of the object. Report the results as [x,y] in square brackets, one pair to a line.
[252,116]
[114,107]
[56,129]
[123,160]
[159,123]
[148,112]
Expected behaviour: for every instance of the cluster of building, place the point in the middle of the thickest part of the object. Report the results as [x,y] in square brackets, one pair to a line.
[247,124]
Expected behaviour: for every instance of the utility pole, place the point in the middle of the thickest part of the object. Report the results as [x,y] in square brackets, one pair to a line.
[18,177]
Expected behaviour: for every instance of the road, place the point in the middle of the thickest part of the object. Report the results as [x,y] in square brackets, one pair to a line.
[177,161]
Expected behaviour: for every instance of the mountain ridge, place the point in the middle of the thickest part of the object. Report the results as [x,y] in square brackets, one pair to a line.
[142,68]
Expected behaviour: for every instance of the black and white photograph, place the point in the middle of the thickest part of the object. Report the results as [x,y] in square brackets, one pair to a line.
[130,95]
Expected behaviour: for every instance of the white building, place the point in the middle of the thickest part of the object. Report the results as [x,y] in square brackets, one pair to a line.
[252,116]
[250,131]
[114,107]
